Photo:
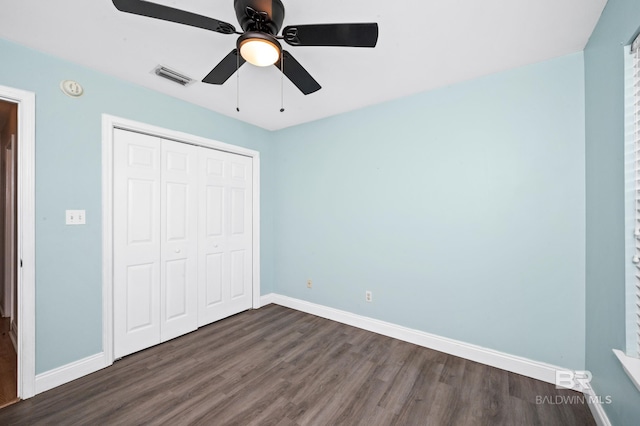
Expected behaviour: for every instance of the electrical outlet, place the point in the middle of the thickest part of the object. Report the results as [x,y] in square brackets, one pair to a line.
[309,284]
[368,296]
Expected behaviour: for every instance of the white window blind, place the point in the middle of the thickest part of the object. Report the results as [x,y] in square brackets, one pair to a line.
[633,120]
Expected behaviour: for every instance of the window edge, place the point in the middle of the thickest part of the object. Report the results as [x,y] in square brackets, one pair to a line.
[630,365]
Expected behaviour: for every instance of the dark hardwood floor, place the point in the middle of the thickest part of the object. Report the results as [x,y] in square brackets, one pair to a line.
[277,366]
[8,365]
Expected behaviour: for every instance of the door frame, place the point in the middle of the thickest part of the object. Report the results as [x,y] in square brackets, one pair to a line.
[25,256]
[109,123]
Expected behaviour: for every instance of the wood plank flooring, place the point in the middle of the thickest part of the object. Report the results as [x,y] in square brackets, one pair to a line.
[8,365]
[277,366]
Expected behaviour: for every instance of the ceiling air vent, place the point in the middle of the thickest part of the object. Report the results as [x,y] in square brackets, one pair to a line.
[172,75]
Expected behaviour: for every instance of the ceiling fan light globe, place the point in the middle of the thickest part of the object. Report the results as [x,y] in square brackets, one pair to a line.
[260,53]
[259,49]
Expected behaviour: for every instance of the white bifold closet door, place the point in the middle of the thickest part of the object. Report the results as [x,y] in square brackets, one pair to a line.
[182,238]
[178,240]
[155,240]
[225,239]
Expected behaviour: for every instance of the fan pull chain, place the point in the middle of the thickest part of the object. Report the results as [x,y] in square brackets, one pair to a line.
[237,80]
[282,82]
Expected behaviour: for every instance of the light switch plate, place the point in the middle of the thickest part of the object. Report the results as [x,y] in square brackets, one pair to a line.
[75,217]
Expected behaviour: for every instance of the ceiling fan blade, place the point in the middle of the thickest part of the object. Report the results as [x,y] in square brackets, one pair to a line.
[349,35]
[166,13]
[225,68]
[297,74]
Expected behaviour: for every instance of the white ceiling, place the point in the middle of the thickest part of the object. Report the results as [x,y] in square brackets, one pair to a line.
[421,46]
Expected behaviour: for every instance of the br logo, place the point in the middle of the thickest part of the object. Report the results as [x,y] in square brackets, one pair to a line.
[576,380]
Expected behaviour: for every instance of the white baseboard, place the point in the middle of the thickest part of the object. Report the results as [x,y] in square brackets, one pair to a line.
[67,373]
[597,411]
[515,364]
[266,299]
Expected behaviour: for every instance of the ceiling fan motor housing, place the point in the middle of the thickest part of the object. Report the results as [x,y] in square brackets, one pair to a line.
[260,15]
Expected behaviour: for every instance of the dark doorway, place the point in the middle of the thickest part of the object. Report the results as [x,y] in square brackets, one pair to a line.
[8,252]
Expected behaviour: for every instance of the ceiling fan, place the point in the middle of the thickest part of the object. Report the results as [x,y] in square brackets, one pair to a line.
[259,43]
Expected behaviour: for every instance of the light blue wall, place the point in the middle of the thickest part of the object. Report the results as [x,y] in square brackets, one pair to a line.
[68,176]
[605,324]
[462,209]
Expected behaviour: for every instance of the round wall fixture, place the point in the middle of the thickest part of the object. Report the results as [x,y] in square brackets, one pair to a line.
[71,88]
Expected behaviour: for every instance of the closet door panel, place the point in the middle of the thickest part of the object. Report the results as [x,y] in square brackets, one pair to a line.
[214,196]
[213,271]
[237,214]
[139,296]
[238,278]
[136,240]
[213,280]
[225,243]
[179,234]
[239,229]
